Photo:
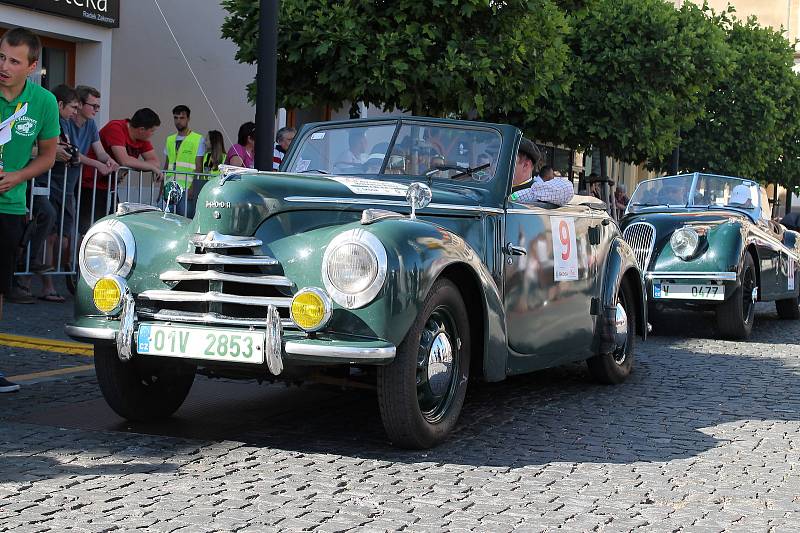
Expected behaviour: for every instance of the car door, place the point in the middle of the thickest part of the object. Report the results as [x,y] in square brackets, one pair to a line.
[549,283]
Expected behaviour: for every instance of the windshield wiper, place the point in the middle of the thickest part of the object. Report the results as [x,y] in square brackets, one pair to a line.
[644,204]
[314,170]
[470,171]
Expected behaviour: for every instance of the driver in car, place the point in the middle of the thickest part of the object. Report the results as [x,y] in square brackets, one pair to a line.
[552,189]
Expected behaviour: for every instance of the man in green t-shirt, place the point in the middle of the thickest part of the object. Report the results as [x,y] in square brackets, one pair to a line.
[38,126]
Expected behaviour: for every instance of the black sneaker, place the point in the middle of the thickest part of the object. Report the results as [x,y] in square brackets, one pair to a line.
[7,386]
[19,296]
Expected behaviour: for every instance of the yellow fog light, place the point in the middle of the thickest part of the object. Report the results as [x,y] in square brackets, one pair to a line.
[311,309]
[107,295]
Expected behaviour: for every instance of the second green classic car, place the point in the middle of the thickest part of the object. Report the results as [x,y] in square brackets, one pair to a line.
[707,242]
[389,245]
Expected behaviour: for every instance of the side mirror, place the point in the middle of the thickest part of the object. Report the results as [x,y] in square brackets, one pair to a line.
[418,196]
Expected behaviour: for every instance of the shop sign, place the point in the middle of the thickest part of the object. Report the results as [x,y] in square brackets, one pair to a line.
[100,12]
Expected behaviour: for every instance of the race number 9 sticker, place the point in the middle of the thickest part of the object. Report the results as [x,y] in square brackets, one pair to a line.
[565,253]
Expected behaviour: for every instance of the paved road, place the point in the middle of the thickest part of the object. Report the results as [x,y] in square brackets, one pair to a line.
[704,437]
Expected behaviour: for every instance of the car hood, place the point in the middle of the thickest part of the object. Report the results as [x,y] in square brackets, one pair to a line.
[667,222]
[241,203]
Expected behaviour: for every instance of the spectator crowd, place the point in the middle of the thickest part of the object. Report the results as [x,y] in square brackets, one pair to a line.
[59,170]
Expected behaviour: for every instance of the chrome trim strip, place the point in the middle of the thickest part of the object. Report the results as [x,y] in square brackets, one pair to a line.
[129,208]
[393,203]
[341,352]
[213,275]
[531,211]
[217,240]
[213,258]
[82,332]
[213,297]
[720,276]
[187,317]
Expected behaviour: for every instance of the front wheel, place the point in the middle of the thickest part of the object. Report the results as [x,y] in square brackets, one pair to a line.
[735,316]
[615,367]
[140,390]
[421,392]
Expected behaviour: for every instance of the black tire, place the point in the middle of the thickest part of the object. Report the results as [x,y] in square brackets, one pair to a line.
[736,315]
[788,309]
[71,281]
[418,412]
[615,367]
[138,390]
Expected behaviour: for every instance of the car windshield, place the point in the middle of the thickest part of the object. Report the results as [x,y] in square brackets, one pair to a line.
[399,148]
[706,190]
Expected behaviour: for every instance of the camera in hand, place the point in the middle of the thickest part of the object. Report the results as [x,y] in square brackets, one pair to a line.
[74,155]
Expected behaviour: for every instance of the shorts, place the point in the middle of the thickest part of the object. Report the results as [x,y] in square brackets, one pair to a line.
[11,229]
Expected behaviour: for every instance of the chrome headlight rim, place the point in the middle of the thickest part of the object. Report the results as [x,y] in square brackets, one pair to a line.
[124,239]
[326,303]
[375,247]
[693,237]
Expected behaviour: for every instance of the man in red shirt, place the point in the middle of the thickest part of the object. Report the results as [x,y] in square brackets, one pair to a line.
[126,140]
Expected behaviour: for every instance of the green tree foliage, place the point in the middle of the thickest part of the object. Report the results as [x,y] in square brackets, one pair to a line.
[644,70]
[743,128]
[440,57]
[785,170]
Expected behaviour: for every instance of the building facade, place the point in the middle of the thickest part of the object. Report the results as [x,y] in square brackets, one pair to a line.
[126,50]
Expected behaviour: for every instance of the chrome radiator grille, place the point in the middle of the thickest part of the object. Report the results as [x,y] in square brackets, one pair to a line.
[641,236]
[227,283]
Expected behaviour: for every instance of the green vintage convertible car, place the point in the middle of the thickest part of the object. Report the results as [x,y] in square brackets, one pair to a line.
[386,249]
[706,242]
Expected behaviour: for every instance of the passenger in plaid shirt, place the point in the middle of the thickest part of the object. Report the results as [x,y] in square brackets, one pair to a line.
[555,190]
[558,191]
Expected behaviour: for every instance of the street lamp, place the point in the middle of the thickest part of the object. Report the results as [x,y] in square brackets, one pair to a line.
[266,78]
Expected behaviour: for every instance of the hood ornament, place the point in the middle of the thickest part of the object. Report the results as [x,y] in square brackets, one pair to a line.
[227,172]
[418,196]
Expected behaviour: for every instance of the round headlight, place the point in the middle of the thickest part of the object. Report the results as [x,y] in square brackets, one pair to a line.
[107,294]
[354,268]
[311,309]
[684,242]
[103,254]
[107,249]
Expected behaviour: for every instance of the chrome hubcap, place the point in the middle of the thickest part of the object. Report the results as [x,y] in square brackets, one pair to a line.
[440,364]
[620,334]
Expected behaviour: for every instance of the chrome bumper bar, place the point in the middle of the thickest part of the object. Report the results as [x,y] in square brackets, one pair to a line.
[342,354]
[714,276]
[80,332]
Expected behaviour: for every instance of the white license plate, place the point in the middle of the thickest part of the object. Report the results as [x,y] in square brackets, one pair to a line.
[675,291]
[231,345]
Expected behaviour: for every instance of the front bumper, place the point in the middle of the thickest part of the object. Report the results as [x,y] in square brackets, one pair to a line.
[296,347]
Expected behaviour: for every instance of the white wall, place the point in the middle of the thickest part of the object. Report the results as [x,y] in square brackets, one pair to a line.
[92,53]
[149,71]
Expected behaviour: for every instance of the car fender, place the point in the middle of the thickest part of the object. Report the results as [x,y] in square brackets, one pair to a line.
[620,264]
[418,253]
[159,238]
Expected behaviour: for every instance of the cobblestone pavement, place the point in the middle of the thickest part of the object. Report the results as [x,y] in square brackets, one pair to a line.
[704,437]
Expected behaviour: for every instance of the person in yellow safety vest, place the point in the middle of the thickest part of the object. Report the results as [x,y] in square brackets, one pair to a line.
[184,154]
[215,153]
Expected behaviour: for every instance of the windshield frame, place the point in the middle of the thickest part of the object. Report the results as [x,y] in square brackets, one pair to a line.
[399,123]
[753,212]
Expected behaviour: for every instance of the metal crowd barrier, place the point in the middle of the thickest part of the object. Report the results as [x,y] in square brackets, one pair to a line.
[124,185]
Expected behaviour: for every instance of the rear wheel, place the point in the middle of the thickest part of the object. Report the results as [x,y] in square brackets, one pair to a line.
[421,392]
[615,367]
[788,309]
[141,390]
[735,316]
